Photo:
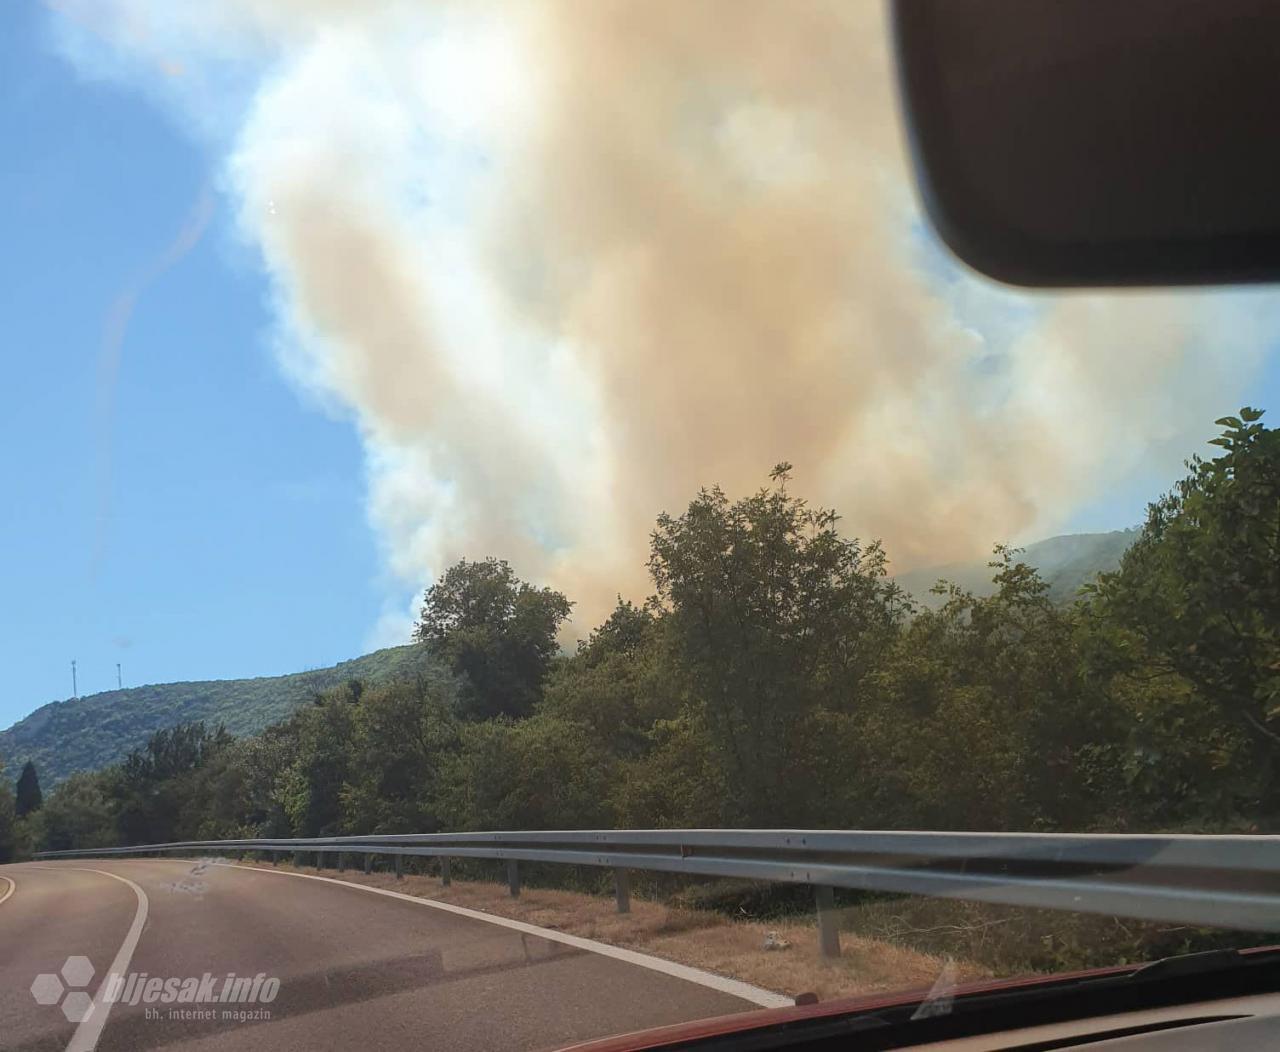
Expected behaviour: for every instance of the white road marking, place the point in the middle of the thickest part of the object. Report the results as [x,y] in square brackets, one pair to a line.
[87,1034]
[733,987]
[13,886]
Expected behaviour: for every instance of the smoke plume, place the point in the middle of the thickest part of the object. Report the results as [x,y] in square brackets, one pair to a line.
[564,262]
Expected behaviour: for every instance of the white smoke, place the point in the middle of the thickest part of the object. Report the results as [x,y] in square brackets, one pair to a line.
[565,262]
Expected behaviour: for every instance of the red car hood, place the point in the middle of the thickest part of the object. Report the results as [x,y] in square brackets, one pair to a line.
[664,1036]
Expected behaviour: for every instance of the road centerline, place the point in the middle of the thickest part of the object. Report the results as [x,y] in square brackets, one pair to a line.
[89,1031]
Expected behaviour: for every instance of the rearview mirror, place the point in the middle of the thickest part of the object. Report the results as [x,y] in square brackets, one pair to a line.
[1098,142]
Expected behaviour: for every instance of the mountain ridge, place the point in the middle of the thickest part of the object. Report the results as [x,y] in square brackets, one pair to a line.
[93,731]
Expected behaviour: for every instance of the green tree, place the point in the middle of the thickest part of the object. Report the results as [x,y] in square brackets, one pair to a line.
[772,616]
[496,631]
[676,782]
[157,782]
[626,632]
[81,811]
[8,825]
[1173,762]
[29,798]
[979,718]
[268,761]
[401,733]
[216,804]
[619,682]
[538,773]
[311,788]
[1197,596]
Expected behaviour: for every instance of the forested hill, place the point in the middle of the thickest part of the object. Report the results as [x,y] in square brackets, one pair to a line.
[1064,562]
[84,734]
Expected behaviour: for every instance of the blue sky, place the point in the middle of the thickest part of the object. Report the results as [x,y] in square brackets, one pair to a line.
[192,514]
[233,541]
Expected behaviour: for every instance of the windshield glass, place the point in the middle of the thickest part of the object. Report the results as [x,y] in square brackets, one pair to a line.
[427,419]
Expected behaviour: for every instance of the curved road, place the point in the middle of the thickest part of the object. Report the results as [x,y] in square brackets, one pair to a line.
[356,969]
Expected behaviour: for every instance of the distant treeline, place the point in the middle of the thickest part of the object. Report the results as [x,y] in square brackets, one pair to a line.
[778,677]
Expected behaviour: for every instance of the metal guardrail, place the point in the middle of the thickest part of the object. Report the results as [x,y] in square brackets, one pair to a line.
[1214,881]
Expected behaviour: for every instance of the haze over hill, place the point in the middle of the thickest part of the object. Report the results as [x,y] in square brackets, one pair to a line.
[84,734]
[1066,562]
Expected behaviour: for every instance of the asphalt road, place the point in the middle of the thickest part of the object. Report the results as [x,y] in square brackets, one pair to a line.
[356,970]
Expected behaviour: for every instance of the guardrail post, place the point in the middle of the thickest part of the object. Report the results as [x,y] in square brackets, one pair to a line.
[445,877]
[297,860]
[319,863]
[513,877]
[275,858]
[342,862]
[622,886]
[368,863]
[399,867]
[828,933]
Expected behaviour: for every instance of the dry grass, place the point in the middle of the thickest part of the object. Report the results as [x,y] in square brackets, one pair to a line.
[699,938]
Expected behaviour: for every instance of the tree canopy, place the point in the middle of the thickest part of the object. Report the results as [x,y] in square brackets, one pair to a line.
[27,795]
[777,675]
[494,630]
[1198,594]
[772,615]
[8,837]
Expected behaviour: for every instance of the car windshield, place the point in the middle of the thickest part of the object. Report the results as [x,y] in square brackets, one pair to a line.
[532,470]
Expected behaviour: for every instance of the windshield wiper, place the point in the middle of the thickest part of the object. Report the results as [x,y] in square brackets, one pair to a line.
[1203,962]
[1191,964]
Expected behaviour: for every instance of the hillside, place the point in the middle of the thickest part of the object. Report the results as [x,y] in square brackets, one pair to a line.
[1066,562]
[87,733]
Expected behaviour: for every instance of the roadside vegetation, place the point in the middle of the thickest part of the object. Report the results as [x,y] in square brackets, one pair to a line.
[778,677]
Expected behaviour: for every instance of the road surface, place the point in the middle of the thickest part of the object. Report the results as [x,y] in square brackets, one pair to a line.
[356,969]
